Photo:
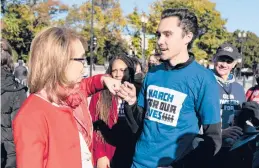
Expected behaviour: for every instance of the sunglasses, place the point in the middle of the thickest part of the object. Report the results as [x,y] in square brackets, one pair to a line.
[82,60]
[227,60]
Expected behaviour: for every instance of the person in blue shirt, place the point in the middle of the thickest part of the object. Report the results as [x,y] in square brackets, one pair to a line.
[177,98]
[232,96]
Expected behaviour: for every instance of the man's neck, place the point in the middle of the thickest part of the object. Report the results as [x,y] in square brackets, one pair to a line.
[225,77]
[182,57]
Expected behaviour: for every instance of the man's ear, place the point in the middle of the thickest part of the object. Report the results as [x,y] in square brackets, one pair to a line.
[234,64]
[188,37]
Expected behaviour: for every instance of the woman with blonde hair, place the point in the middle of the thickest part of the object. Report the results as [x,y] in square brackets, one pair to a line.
[53,128]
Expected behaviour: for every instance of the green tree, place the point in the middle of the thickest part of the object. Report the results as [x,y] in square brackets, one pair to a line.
[45,14]
[108,25]
[18,27]
[250,47]
[21,21]
[209,18]
[135,26]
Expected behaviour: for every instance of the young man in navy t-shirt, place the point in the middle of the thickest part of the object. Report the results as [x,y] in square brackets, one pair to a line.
[177,98]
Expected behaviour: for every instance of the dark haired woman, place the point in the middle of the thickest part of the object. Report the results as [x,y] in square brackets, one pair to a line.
[12,96]
[113,141]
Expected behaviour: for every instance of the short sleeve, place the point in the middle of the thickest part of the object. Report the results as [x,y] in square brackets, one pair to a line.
[208,106]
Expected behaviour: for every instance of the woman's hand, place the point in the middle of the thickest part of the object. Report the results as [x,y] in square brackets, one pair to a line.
[103,162]
[112,84]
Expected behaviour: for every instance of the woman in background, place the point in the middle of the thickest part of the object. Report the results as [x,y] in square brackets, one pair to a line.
[12,96]
[113,142]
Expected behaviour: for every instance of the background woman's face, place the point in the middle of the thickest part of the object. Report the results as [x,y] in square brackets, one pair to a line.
[138,69]
[118,68]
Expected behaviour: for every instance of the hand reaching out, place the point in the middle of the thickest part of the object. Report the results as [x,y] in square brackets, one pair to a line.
[233,132]
[128,93]
[112,84]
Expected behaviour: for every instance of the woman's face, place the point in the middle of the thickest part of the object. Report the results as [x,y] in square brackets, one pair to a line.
[138,69]
[77,64]
[118,68]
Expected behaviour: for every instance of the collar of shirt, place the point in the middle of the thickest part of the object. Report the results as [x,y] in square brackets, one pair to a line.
[168,66]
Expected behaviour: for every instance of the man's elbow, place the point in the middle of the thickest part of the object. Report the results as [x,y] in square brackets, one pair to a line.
[218,143]
[213,136]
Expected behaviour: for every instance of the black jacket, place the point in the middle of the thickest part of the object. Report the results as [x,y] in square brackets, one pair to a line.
[12,96]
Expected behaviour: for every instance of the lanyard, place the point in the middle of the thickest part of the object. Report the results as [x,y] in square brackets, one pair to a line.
[229,90]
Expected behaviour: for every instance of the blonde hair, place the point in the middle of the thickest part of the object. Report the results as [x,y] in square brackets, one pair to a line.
[50,53]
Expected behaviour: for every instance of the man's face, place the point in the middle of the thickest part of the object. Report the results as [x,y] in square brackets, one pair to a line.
[170,38]
[224,65]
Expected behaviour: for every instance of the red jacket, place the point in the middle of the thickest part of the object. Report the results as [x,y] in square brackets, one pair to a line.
[253,94]
[47,136]
[100,148]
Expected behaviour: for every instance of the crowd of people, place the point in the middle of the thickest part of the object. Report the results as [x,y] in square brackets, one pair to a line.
[173,114]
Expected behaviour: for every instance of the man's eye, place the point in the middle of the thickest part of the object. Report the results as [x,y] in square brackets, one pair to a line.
[167,34]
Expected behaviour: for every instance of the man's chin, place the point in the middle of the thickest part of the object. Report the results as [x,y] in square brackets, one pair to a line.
[223,73]
[163,57]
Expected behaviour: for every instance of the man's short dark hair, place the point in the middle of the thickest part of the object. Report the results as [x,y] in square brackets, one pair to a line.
[188,21]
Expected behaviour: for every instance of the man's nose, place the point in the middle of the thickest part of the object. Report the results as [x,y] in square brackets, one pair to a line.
[224,64]
[160,41]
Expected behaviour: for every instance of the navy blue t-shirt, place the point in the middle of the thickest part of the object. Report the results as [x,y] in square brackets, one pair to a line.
[173,99]
[232,95]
